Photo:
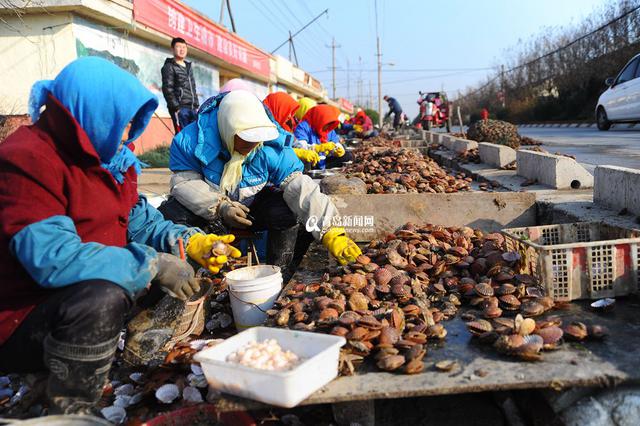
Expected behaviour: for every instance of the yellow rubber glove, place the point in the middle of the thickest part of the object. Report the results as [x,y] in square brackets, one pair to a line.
[339,151]
[307,156]
[324,147]
[340,246]
[200,246]
[357,128]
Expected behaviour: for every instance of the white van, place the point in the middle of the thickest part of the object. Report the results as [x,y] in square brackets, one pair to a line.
[621,101]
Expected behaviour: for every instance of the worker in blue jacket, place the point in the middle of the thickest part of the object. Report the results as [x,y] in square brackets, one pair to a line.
[395,109]
[316,132]
[234,168]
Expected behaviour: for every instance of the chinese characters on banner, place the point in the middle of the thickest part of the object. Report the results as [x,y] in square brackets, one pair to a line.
[176,20]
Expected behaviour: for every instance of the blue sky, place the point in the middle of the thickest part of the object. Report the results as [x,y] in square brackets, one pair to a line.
[443,39]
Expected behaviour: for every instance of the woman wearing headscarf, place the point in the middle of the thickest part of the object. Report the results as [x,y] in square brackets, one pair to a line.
[236,84]
[283,108]
[77,242]
[305,105]
[236,168]
[317,132]
[363,125]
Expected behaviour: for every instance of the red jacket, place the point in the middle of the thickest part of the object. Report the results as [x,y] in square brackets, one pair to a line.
[46,169]
[363,120]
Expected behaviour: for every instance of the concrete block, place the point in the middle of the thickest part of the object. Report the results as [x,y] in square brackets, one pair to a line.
[433,137]
[617,188]
[457,144]
[496,155]
[447,141]
[411,143]
[384,213]
[461,145]
[556,171]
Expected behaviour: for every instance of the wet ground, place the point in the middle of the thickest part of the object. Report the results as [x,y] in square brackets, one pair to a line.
[590,146]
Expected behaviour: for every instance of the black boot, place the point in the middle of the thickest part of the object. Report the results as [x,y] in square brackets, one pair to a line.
[78,374]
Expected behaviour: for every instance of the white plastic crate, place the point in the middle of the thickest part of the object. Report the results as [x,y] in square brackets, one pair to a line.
[585,260]
[320,354]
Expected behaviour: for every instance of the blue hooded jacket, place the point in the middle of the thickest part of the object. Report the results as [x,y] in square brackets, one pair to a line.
[103,99]
[198,147]
[304,132]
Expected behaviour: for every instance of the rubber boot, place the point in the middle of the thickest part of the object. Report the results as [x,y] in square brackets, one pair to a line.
[280,249]
[77,374]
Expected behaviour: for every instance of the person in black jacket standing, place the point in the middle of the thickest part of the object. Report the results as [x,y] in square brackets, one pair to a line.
[179,86]
[395,109]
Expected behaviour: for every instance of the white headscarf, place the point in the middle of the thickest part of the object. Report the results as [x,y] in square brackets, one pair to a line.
[240,111]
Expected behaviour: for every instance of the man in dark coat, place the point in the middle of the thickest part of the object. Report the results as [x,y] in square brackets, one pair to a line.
[395,109]
[179,86]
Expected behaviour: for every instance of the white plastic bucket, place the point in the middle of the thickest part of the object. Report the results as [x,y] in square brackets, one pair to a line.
[253,275]
[252,291]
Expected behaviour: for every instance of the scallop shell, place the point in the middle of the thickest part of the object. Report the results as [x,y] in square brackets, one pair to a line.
[506,288]
[122,401]
[191,394]
[200,344]
[167,393]
[114,414]
[511,256]
[446,365]
[550,335]
[484,289]
[137,377]
[534,342]
[510,302]
[136,398]
[479,326]
[526,327]
[603,304]
[382,276]
[124,390]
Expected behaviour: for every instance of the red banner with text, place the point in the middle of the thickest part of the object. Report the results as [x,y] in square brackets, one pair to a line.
[177,20]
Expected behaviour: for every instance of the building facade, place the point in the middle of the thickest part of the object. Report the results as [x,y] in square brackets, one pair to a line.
[41,37]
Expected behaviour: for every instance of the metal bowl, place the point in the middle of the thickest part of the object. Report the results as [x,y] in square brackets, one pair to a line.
[319,174]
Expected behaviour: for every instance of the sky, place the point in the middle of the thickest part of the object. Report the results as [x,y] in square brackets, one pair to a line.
[426,44]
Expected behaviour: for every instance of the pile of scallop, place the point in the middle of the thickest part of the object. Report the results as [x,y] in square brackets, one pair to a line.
[394,299]
[403,171]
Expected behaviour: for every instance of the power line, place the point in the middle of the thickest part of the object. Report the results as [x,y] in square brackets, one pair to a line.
[415,79]
[300,30]
[264,9]
[414,69]
[553,52]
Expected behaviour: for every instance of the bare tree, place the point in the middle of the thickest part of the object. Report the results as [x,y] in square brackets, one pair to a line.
[564,82]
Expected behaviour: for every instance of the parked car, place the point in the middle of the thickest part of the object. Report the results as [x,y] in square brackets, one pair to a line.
[621,101]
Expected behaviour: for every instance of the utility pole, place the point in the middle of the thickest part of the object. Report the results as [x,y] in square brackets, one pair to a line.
[348,78]
[233,23]
[221,12]
[370,100]
[504,102]
[379,55]
[292,47]
[333,62]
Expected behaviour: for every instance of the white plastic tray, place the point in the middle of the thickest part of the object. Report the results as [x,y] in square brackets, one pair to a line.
[320,354]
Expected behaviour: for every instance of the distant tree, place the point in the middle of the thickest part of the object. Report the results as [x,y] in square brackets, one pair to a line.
[559,74]
[373,115]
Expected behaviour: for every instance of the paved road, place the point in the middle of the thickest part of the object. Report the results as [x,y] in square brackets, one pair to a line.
[617,147]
